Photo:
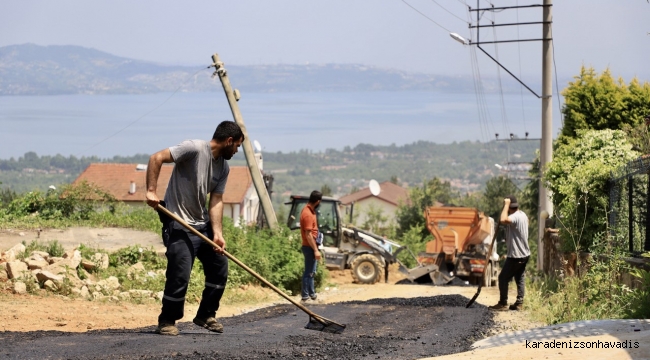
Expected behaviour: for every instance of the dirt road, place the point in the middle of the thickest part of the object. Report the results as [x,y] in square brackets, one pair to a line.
[385,321]
[403,321]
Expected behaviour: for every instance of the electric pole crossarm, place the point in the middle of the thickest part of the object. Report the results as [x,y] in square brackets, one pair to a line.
[509,24]
[256,174]
[503,41]
[510,7]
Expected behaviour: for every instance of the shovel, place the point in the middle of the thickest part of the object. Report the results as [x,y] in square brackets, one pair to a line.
[316,322]
[485,267]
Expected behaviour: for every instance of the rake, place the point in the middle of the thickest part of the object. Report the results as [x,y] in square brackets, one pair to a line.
[316,322]
[487,261]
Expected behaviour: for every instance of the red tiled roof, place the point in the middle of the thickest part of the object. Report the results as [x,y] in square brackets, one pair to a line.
[116,180]
[239,180]
[390,193]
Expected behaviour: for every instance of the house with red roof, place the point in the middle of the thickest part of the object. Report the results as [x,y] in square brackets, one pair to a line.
[389,198]
[127,183]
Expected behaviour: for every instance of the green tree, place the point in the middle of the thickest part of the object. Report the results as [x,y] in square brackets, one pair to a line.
[412,214]
[578,177]
[326,190]
[639,136]
[375,220]
[496,189]
[600,102]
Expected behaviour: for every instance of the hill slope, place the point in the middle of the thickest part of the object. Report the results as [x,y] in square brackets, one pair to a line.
[53,70]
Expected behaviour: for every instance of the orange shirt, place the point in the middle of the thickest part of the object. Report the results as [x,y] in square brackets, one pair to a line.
[308,223]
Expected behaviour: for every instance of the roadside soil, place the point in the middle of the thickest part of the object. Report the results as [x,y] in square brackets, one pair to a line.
[47,312]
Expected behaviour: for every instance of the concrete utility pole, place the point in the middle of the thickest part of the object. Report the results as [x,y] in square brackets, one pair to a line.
[256,174]
[546,148]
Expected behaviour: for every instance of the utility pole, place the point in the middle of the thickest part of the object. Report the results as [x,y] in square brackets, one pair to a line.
[256,174]
[546,148]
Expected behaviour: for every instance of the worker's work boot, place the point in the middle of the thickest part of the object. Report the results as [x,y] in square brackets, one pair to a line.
[517,306]
[210,323]
[167,329]
[499,307]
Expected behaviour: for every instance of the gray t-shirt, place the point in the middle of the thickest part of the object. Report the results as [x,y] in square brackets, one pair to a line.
[195,175]
[517,235]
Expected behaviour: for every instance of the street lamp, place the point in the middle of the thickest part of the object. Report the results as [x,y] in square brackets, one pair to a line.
[459,38]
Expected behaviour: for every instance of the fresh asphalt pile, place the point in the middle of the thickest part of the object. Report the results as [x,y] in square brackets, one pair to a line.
[395,328]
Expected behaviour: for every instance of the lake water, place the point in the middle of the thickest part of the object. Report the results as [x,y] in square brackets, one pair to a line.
[109,125]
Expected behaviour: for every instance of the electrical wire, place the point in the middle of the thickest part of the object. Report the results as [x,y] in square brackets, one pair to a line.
[557,87]
[452,14]
[430,19]
[147,113]
[521,87]
[504,116]
[481,104]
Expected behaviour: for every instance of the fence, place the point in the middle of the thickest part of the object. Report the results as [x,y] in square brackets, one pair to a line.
[629,203]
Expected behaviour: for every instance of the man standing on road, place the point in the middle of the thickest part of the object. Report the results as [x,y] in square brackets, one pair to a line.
[516,224]
[200,169]
[308,232]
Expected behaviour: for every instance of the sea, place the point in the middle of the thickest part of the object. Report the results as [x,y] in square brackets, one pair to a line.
[125,125]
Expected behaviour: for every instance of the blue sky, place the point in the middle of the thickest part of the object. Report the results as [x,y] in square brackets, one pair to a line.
[384,33]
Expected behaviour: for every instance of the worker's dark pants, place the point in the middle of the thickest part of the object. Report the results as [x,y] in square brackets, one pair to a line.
[182,249]
[513,268]
[308,289]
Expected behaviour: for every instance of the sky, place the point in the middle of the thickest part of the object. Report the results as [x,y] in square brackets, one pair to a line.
[407,35]
[411,35]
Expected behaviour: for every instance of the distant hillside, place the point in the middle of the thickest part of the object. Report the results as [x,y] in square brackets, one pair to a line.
[467,165]
[53,70]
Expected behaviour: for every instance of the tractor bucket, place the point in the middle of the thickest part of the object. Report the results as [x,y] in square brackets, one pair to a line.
[428,274]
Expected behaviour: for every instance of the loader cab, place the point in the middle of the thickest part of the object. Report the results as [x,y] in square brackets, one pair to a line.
[327,217]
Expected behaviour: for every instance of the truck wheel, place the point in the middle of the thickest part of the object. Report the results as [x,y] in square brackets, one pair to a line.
[366,269]
[487,279]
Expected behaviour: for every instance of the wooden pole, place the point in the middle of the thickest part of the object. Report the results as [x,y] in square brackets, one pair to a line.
[256,174]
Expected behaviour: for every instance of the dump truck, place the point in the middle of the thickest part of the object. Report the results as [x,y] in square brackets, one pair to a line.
[462,238]
[368,255]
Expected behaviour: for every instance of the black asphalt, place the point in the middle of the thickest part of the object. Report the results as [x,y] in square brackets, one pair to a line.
[396,328]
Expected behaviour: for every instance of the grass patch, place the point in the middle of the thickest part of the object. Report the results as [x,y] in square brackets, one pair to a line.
[597,294]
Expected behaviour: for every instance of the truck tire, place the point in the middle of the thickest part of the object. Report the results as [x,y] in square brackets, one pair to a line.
[366,269]
[487,279]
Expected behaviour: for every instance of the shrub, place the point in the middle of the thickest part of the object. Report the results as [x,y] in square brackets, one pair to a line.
[578,177]
[276,256]
[53,247]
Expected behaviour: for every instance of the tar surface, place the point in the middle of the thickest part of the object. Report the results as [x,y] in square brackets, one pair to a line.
[394,328]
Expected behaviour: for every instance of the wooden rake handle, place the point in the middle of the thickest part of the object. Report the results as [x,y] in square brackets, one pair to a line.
[241,264]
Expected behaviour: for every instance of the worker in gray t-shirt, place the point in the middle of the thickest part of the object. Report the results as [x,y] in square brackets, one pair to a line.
[200,170]
[516,226]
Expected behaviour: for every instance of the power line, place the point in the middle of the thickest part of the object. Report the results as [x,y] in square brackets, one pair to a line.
[452,14]
[430,19]
[143,116]
[557,87]
[521,88]
[504,116]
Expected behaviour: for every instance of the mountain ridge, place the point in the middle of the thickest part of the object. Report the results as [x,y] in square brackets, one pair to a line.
[30,69]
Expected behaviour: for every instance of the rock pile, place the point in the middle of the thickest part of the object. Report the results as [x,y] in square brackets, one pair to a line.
[40,270]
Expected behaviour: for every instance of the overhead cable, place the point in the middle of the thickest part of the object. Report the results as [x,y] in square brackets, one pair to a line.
[452,14]
[149,112]
[430,19]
